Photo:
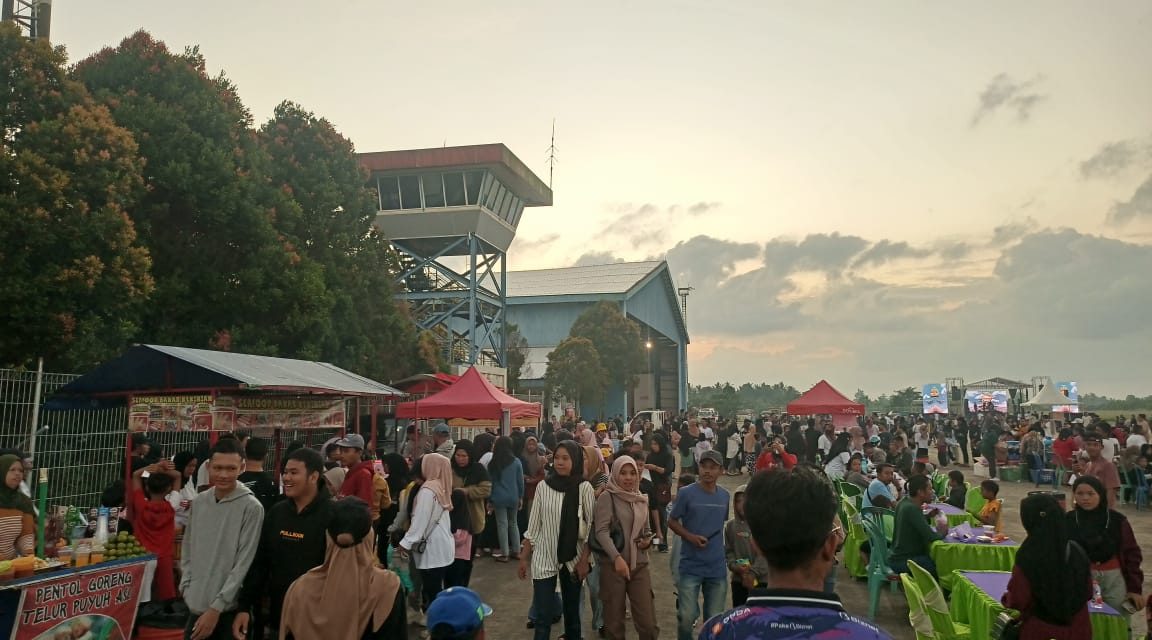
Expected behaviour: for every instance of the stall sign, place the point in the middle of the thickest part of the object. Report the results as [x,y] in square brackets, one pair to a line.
[171,413]
[227,413]
[99,603]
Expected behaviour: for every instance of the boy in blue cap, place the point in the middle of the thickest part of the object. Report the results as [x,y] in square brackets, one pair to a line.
[457,613]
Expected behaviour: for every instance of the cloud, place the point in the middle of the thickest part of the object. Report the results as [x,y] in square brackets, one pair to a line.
[521,243]
[1011,232]
[596,257]
[885,251]
[1138,206]
[648,224]
[830,253]
[1004,93]
[1114,158]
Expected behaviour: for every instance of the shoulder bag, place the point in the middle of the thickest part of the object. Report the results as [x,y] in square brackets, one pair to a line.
[614,530]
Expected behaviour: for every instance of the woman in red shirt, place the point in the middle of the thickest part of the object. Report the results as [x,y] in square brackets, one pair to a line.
[1063,446]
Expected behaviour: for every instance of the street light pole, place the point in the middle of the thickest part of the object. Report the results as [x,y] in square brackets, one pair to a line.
[683,293]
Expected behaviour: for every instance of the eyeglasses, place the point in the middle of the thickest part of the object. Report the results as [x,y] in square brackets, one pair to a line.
[838,530]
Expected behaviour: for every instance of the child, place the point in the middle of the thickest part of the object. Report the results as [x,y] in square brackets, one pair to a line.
[990,512]
[154,522]
[749,568]
[957,494]
[459,573]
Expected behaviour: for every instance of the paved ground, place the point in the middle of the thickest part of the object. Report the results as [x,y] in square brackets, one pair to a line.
[499,586]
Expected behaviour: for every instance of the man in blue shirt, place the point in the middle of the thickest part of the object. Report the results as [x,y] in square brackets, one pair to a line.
[799,555]
[698,518]
[879,493]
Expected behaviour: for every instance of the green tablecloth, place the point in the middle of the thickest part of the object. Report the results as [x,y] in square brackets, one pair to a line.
[972,606]
[959,556]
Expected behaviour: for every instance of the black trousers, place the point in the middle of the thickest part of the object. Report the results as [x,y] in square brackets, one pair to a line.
[739,594]
[223,630]
[459,573]
[432,584]
[963,442]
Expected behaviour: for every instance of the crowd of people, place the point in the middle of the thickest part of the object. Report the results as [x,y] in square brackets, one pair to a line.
[385,542]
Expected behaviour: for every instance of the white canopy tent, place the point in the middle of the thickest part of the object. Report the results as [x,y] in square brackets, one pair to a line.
[1049,397]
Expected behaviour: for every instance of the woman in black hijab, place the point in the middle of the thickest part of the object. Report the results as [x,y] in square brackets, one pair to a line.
[1051,583]
[1107,537]
[469,476]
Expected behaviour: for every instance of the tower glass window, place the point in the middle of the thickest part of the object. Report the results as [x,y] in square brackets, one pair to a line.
[410,192]
[433,190]
[472,182]
[454,189]
[389,190]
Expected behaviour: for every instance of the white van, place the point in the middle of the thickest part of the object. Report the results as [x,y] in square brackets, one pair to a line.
[658,417]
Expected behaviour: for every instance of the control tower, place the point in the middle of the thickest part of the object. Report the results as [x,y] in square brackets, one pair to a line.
[451,213]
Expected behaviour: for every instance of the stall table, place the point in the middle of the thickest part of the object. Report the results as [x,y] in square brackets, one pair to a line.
[955,516]
[976,602]
[968,554]
[99,600]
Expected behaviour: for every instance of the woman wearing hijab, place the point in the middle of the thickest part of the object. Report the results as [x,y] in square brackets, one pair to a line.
[17,518]
[1051,596]
[429,538]
[507,475]
[534,463]
[597,476]
[1107,537]
[349,596]
[469,476]
[624,571]
[555,546]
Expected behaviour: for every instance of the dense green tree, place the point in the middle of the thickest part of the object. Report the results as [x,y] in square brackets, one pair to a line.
[332,224]
[225,277]
[576,372]
[616,338]
[73,275]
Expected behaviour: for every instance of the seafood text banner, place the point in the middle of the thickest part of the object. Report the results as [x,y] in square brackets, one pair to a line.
[91,603]
[227,413]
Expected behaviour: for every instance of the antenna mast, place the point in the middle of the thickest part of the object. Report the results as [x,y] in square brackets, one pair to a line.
[551,151]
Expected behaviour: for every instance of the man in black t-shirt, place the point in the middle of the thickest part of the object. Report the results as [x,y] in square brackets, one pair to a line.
[258,481]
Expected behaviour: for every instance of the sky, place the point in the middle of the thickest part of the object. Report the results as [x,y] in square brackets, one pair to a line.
[879,194]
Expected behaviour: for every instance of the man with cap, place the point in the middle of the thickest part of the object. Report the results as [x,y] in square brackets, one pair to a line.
[1098,466]
[358,481]
[698,517]
[442,440]
[873,452]
[457,613]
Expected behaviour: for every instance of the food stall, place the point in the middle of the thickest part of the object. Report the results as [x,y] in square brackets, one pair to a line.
[97,576]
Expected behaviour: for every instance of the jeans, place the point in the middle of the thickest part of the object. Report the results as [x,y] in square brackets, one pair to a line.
[594,596]
[507,530]
[689,587]
[570,597]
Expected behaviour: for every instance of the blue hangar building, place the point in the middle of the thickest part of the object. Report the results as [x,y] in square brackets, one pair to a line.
[545,303]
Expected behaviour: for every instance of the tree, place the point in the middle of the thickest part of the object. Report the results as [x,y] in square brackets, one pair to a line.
[903,399]
[616,338]
[73,274]
[225,277]
[332,224]
[862,398]
[517,348]
[575,371]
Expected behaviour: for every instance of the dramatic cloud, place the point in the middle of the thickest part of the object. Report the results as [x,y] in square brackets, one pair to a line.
[829,253]
[1139,206]
[520,243]
[886,251]
[1115,158]
[647,224]
[1004,93]
[596,257]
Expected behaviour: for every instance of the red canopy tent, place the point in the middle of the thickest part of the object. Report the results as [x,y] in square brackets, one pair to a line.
[824,398]
[471,397]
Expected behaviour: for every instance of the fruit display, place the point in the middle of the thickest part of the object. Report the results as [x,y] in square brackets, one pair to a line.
[5,566]
[123,545]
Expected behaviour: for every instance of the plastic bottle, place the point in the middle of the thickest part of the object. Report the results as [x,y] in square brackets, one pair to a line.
[1097,596]
[101,536]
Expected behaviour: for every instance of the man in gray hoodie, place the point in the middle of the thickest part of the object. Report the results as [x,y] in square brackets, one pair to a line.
[220,542]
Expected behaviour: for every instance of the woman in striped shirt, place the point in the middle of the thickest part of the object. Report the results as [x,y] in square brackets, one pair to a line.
[17,519]
[555,545]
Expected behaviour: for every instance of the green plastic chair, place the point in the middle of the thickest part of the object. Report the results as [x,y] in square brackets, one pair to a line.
[917,614]
[933,598]
[940,485]
[856,535]
[974,502]
[879,571]
[853,492]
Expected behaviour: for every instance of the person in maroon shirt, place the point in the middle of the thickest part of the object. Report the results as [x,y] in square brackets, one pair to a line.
[358,482]
[1112,548]
[1052,597]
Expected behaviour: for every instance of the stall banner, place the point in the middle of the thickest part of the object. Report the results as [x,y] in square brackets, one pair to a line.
[1070,390]
[935,398]
[97,603]
[228,413]
[171,413]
